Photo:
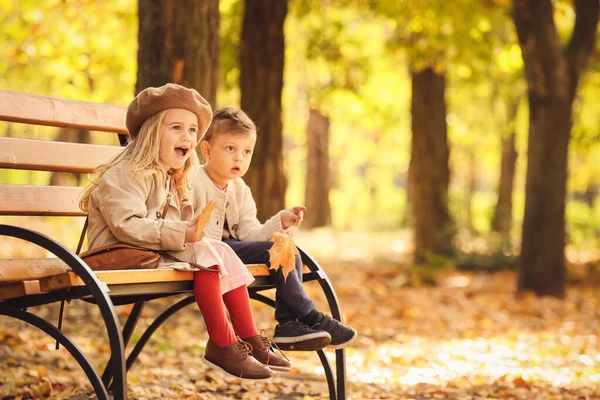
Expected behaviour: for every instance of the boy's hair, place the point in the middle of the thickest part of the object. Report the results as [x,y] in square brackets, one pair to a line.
[142,155]
[230,120]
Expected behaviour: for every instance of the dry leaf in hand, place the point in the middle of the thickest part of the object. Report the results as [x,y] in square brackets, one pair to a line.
[282,254]
[205,216]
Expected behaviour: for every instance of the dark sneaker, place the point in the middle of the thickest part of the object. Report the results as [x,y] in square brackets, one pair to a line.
[296,336]
[341,335]
[237,361]
[261,350]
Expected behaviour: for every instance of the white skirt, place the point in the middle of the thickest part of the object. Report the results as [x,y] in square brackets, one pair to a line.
[208,252]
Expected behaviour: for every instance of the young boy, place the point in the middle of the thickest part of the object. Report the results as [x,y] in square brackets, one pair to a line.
[227,147]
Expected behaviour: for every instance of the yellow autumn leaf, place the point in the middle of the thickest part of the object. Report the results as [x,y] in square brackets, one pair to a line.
[205,216]
[282,254]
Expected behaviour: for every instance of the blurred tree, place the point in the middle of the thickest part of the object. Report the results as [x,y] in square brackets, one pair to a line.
[553,73]
[179,43]
[428,171]
[261,85]
[317,172]
[502,220]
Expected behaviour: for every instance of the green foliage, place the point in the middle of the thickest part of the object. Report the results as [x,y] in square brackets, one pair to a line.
[83,50]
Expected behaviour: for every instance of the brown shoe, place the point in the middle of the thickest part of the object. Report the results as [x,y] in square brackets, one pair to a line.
[261,350]
[237,361]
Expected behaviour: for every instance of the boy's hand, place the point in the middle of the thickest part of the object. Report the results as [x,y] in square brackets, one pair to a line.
[292,217]
[191,233]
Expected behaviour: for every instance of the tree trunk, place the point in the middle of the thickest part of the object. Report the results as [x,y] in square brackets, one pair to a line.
[317,173]
[179,43]
[261,84]
[429,173]
[502,221]
[471,189]
[552,74]
[408,211]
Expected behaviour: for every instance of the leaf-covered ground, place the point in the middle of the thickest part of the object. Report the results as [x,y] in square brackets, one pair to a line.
[466,338]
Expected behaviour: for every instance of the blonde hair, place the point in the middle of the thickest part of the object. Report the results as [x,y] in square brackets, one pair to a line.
[142,155]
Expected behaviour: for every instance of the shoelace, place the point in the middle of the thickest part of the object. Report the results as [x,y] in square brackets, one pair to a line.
[245,349]
[302,326]
[267,341]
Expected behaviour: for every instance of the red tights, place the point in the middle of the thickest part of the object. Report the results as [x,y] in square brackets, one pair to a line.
[207,291]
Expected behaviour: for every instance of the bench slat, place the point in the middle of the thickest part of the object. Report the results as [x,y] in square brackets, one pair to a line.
[40,200]
[51,111]
[18,289]
[53,156]
[21,269]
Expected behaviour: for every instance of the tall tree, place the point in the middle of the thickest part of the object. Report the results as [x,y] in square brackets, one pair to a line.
[502,220]
[428,170]
[261,82]
[553,73]
[317,172]
[179,43]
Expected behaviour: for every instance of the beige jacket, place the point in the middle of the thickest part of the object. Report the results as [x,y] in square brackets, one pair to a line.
[234,205]
[126,208]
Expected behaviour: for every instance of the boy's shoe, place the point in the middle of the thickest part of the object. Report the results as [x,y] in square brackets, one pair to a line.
[237,361]
[341,335]
[261,350]
[297,336]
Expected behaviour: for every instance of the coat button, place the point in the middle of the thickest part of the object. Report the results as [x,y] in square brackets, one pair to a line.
[234,228]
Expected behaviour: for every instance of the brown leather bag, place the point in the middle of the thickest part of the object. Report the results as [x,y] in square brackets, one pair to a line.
[119,256]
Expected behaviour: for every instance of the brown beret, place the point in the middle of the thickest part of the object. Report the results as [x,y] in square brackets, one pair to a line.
[153,100]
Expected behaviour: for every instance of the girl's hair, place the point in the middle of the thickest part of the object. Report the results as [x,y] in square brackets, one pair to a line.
[230,120]
[142,155]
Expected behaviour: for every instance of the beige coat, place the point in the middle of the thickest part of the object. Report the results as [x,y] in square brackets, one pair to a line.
[126,208]
[236,206]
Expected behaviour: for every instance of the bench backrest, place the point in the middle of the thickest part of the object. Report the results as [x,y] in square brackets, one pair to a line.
[41,155]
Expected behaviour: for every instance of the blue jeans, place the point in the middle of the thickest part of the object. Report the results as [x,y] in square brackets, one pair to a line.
[291,300]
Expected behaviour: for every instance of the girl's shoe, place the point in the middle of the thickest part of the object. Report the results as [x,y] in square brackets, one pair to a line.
[237,361]
[261,350]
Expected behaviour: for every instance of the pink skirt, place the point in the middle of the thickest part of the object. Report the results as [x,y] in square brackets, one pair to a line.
[208,252]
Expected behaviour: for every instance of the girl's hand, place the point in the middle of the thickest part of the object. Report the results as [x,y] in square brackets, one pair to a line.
[191,236]
[292,217]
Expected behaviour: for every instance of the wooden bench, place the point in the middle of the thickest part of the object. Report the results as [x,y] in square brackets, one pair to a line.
[30,282]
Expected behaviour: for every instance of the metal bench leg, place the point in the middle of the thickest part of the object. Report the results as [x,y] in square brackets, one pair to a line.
[334,306]
[340,355]
[67,343]
[324,361]
[128,329]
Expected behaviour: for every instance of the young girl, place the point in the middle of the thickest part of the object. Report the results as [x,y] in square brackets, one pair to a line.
[228,147]
[125,203]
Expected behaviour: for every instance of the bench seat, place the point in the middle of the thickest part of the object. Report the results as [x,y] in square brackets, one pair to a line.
[21,277]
